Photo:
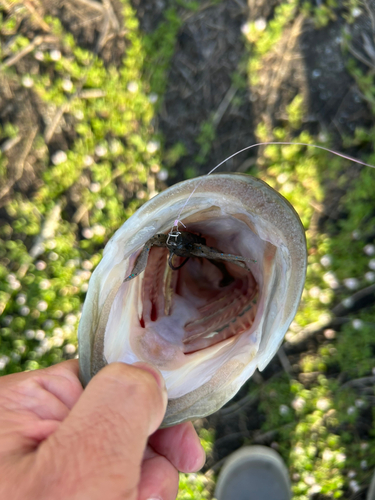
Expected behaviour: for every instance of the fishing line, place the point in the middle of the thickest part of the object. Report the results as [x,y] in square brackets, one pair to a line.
[174,232]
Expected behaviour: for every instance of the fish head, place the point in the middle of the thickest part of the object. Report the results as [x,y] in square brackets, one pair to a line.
[206,339]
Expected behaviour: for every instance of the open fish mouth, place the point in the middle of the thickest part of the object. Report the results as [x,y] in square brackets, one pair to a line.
[206,327]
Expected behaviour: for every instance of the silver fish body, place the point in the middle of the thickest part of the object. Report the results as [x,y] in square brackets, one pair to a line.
[206,339]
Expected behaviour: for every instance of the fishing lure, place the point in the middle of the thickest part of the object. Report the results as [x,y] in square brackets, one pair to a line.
[186,244]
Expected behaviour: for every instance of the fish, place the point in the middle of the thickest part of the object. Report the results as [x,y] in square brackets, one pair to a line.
[205,333]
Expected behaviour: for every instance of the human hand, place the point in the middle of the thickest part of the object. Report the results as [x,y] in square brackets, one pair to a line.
[58,442]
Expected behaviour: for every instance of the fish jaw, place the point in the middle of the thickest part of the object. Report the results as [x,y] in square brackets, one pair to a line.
[234,208]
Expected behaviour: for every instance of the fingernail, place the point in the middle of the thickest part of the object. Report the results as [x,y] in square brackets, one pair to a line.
[157,375]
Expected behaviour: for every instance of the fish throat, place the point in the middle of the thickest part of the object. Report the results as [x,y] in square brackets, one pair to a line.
[202,303]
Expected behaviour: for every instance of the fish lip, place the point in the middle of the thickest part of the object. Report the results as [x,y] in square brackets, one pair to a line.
[143,225]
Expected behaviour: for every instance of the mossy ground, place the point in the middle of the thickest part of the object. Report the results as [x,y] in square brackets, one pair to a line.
[96,115]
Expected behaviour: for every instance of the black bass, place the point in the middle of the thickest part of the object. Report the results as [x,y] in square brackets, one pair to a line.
[207,327]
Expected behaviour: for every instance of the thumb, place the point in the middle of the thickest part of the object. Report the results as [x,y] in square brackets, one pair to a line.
[98,449]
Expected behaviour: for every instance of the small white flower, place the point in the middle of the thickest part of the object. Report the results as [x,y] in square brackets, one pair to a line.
[88,160]
[310,479]
[27,82]
[57,342]
[370,276]
[153,98]
[364,446]
[24,311]
[326,260]
[40,265]
[351,474]
[76,280]
[323,404]
[324,297]
[71,319]
[298,403]
[68,329]
[95,187]
[69,349]
[39,55]
[359,403]
[42,306]
[153,146]
[55,55]
[327,455]
[100,204]
[329,333]
[369,249]
[155,168]
[87,265]
[340,457]
[99,230]
[354,486]
[40,334]
[315,488]
[30,334]
[314,292]
[331,280]
[356,12]
[371,264]
[283,410]
[260,24]
[72,263]
[44,284]
[87,233]
[67,85]
[282,178]
[298,450]
[51,244]
[4,360]
[59,157]
[53,256]
[15,285]
[245,29]
[21,299]
[363,464]
[351,410]
[162,175]
[141,195]
[351,283]
[132,87]
[357,324]
[100,150]
[58,332]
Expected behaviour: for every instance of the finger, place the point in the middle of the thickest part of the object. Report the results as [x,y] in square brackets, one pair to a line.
[181,446]
[68,368]
[159,478]
[30,396]
[66,387]
[108,430]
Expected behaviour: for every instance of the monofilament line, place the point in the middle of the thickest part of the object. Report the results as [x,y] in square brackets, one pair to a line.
[272,143]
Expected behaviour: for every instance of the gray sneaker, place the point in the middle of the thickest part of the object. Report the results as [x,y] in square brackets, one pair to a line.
[254,473]
[371,490]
